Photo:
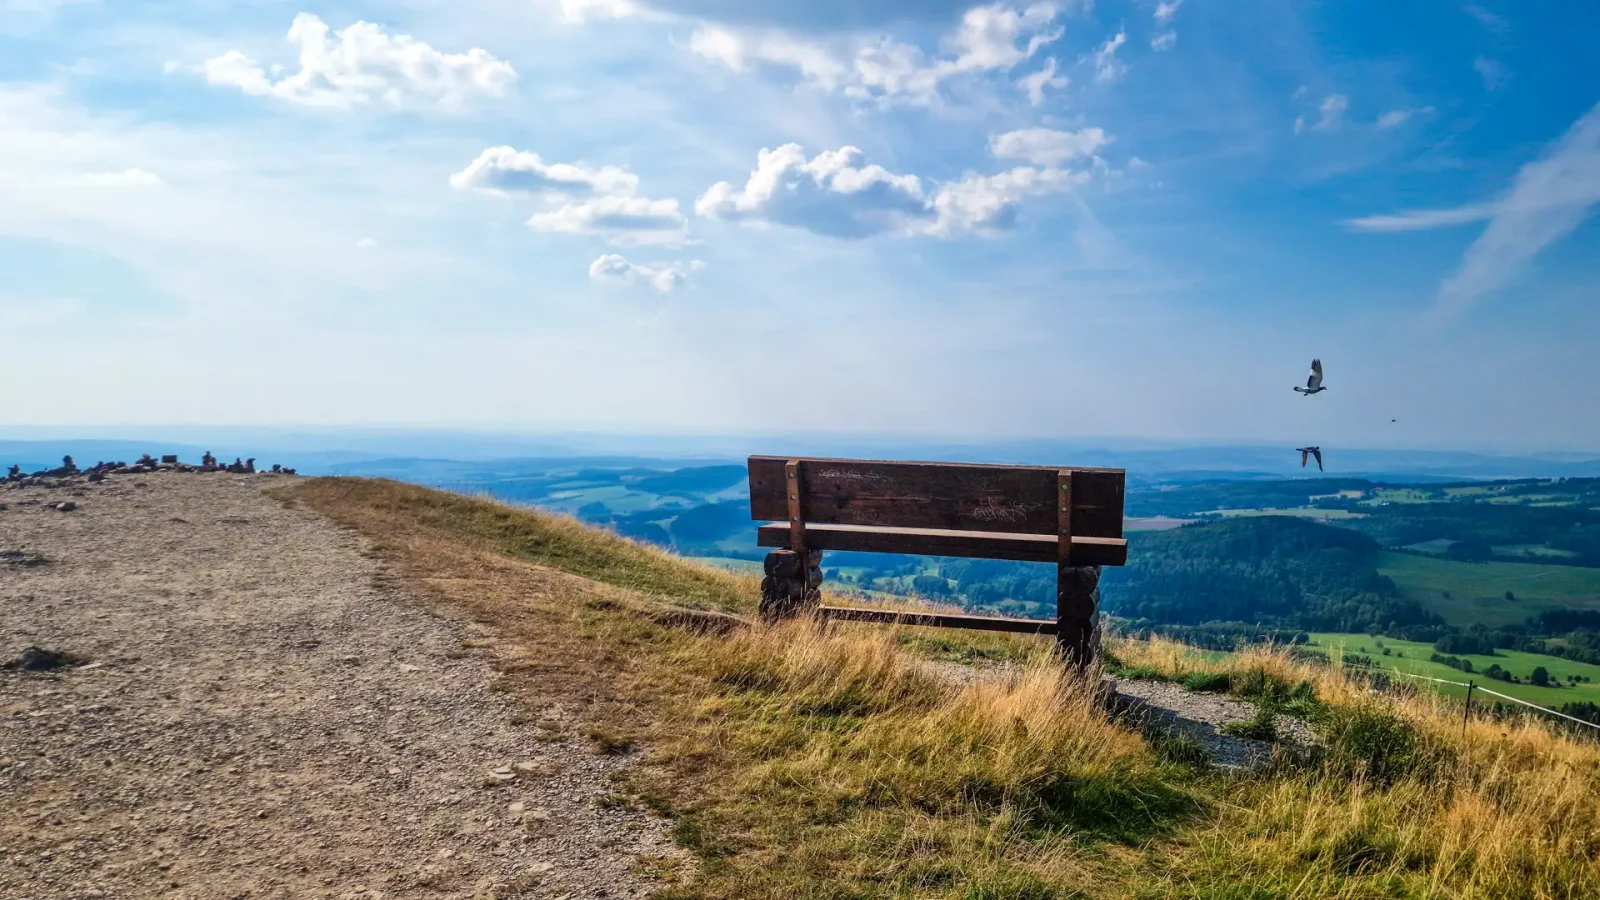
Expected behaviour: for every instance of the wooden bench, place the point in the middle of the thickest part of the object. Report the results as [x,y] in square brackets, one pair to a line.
[1071,517]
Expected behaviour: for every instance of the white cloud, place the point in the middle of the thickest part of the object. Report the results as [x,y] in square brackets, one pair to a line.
[1047,146]
[583,10]
[1330,112]
[124,178]
[1394,118]
[1420,219]
[988,36]
[1165,11]
[1034,85]
[1493,73]
[1106,65]
[994,38]
[1548,199]
[837,195]
[831,194]
[623,220]
[600,200]
[986,203]
[1166,40]
[367,243]
[665,278]
[506,170]
[361,65]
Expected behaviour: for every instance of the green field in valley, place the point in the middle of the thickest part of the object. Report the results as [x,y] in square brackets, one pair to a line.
[1308,512]
[1413,657]
[1477,591]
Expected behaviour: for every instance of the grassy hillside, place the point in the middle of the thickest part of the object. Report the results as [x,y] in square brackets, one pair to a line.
[805,763]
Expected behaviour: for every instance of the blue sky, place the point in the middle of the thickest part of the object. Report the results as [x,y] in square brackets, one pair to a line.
[1135,219]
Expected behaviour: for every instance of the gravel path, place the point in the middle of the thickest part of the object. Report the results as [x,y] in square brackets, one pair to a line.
[1200,716]
[262,715]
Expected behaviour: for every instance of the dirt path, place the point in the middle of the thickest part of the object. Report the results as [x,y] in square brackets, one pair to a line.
[265,715]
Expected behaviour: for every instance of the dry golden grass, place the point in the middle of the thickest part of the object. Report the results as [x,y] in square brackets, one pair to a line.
[1405,803]
[799,761]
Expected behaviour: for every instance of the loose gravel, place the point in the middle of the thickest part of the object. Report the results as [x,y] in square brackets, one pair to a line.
[252,711]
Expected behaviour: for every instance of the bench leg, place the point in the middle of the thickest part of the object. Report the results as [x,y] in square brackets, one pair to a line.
[793,584]
[1077,600]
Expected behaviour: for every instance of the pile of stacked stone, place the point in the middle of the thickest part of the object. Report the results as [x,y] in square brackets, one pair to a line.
[68,472]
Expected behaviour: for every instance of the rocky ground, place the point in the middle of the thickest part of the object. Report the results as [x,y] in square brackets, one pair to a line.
[1200,717]
[250,708]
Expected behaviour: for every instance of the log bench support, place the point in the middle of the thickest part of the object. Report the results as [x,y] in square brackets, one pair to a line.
[792,584]
[1072,517]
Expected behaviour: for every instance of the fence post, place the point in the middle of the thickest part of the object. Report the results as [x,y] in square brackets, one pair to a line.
[1466,714]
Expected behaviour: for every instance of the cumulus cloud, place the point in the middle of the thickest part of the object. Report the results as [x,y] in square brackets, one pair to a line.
[666,277]
[985,203]
[1106,65]
[1547,200]
[994,38]
[1165,11]
[362,63]
[1034,85]
[1166,40]
[1047,146]
[506,170]
[1394,118]
[582,199]
[624,220]
[831,194]
[837,194]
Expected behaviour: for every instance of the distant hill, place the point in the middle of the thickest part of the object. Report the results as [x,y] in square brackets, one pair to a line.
[1270,570]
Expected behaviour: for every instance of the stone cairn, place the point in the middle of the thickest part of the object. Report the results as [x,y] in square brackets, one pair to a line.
[68,472]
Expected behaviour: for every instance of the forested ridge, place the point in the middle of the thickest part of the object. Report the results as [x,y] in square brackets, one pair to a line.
[1270,570]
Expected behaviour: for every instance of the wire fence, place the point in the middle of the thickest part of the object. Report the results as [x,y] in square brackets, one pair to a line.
[1474,686]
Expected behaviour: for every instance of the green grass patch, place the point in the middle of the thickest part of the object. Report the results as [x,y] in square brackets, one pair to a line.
[1414,658]
[1477,590]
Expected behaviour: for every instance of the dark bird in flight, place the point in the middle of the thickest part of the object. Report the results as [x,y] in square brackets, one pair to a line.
[1308,452]
[1313,383]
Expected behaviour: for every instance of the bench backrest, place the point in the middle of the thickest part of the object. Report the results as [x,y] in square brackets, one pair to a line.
[1071,517]
[941,509]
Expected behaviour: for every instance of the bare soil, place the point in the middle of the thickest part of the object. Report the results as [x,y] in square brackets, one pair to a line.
[259,707]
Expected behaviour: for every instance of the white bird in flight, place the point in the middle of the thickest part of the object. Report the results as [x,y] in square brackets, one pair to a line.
[1314,383]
